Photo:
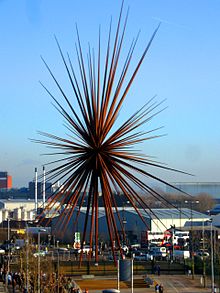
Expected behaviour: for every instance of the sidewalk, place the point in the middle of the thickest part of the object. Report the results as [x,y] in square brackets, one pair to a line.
[171,283]
[2,288]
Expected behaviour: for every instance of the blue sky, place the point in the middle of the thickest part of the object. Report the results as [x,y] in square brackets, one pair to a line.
[183,67]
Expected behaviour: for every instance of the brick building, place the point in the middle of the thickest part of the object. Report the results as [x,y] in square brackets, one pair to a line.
[5,180]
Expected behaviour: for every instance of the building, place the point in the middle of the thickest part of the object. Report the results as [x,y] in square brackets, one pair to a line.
[48,189]
[157,221]
[5,181]
[195,188]
[24,209]
[11,204]
[18,209]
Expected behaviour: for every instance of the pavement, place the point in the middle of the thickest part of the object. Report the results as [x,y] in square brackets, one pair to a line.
[171,284]
[2,288]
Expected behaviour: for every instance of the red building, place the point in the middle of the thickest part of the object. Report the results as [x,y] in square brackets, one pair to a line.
[5,180]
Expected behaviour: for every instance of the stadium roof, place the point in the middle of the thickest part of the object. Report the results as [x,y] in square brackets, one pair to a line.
[184,213]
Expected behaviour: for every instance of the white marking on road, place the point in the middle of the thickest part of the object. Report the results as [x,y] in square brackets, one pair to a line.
[171,285]
[180,283]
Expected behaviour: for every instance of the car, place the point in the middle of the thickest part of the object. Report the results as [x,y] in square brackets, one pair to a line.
[2,251]
[63,249]
[156,254]
[10,247]
[86,249]
[202,254]
[138,252]
[143,257]
[152,244]
[73,250]
[135,245]
[125,249]
[40,253]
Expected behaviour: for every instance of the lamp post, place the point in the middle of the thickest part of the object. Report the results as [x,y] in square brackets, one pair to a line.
[191,202]
[58,267]
[118,275]
[8,259]
[212,259]
[124,221]
[204,260]
[38,262]
[173,234]
[180,208]
[178,205]
[124,224]
[27,258]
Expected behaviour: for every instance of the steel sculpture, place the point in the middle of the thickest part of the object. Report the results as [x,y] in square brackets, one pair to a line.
[99,156]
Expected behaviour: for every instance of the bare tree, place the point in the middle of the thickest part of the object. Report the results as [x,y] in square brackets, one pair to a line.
[206,202]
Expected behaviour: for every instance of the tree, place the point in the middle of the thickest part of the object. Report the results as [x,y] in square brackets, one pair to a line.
[206,202]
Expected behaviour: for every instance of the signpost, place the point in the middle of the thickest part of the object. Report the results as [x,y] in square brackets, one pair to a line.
[77,240]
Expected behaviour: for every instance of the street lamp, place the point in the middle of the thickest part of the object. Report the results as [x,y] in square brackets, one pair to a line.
[38,262]
[204,260]
[191,202]
[27,257]
[54,241]
[124,222]
[178,205]
[58,266]
[8,260]
[212,260]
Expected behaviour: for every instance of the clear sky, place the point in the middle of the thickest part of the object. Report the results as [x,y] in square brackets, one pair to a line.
[183,66]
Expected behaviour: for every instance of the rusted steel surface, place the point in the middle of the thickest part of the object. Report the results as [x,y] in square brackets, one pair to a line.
[99,155]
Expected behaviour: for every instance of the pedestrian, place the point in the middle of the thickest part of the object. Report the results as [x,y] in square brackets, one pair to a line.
[152,266]
[158,270]
[161,288]
[156,288]
[9,278]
